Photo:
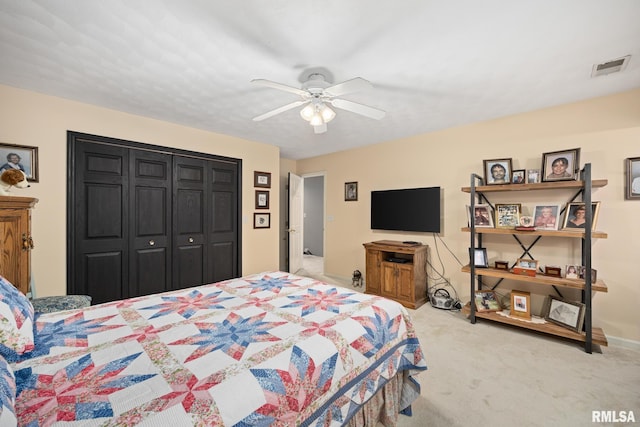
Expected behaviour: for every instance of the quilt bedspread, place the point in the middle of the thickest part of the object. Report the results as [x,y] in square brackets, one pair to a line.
[266,349]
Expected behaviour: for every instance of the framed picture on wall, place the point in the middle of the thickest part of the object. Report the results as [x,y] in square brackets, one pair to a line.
[20,157]
[633,179]
[261,220]
[350,191]
[262,179]
[262,199]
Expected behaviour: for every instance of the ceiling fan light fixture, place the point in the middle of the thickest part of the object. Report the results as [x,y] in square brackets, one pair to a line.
[316,120]
[307,112]
[327,114]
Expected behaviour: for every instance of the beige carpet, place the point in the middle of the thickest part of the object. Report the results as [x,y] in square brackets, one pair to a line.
[489,374]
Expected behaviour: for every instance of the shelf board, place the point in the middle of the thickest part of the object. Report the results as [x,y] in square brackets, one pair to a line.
[539,279]
[539,186]
[597,334]
[578,234]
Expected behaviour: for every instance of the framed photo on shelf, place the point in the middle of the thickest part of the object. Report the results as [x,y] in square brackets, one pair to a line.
[561,165]
[575,216]
[546,217]
[262,199]
[508,215]
[20,157]
[533,176]
[261,220]
[633,179]
[482,216]
[262,179]
[582,270]
[487,301]
[479,257]
[520,304]
[572,271]
[350,191]
[517,177]
[497,171]
[564,313]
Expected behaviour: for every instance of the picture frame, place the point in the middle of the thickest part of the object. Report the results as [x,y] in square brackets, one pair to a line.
[262,179]
[497,171]
[486,301]
[520,304]
[350,191]
[518,176]
[632,187]
[533,176]
[574,216]
[571,271]
[261,220]
[526,221]
[546,217]
[561,165]
[262,199]
[552,271]
[508,215]
[479,257]
[502,265]
[482,217]
[581,273]
[21,157]
[565,313]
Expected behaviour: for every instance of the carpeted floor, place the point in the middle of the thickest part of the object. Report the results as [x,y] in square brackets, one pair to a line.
[491,374]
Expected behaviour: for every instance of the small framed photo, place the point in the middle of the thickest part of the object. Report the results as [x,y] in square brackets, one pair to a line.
[350,191]
[517,177]
[262,199]
[572,271]
[262,179]
[561,165]
[633,179]
[582,273]
[533,176]
[502,265]
[546,217]
[520,304]
[20,157]
[508,215]
[552,271]
[575,216]
[564,313]
[261,220]
[479,257]
[487,301]
[482,216]
[497,171]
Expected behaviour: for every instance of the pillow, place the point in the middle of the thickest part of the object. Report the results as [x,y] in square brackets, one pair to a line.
[16,322]
[7,395]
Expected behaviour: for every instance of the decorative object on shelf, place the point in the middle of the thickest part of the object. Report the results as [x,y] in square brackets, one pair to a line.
[479,257]
[575,216]
[502,265]
[552,271]
[526,221]
[350,191]
[508,215]
[482,216]
[497,171]
[262,199]
[261,220]
[262,179]
[633,179]
[546,217]
[533,176]
[517,177]
[526,267]
[581,273]
[571,272]
[487,301]
[564,313]
[20,157]
[561,165]
[520,304]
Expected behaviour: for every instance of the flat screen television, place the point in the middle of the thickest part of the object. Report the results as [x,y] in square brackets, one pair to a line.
[409,209]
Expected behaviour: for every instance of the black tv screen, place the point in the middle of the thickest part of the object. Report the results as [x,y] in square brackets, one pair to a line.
[410,209]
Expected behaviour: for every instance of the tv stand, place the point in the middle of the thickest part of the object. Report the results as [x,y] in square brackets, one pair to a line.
[397,270]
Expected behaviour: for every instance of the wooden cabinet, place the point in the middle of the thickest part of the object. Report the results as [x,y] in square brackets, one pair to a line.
[397,271]
[15,240]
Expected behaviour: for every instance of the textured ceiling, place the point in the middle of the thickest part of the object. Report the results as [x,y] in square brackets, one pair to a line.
[433,64]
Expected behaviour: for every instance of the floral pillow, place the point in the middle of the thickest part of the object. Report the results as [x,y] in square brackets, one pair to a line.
[16,322]
[7,395]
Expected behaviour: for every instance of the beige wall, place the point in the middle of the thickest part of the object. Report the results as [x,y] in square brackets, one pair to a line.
[28,118]
[606,129]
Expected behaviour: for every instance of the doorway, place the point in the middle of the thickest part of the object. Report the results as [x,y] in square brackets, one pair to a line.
[313,223]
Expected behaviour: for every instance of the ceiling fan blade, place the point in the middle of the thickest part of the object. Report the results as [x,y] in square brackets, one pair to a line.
[349,86]
[279,110]
[361,109]
[320,128]
[280,86]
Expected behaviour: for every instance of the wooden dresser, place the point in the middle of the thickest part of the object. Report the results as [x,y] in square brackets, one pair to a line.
[15,240]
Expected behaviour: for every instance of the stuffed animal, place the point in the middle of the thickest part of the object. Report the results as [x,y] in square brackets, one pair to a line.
[356,279]
[12,178]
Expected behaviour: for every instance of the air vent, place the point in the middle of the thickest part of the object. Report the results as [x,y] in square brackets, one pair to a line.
[613,66]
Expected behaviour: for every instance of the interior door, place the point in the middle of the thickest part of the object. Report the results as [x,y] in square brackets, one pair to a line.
[296,190]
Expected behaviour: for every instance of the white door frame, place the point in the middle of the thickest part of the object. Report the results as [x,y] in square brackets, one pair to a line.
[324,208]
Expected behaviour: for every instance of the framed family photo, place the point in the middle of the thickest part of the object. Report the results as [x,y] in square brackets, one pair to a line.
[575,216]
[479,257]
[533,176]
[517,177]
[520,304]
[546,217]
[497,171]
[633,179]
[508,215]
[561,165]
[350,191]
[482,216]
[564,313]
[20,157]
[262,179]
[487,301]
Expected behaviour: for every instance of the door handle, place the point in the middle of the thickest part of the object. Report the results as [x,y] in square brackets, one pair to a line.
[190,239]
[152,242]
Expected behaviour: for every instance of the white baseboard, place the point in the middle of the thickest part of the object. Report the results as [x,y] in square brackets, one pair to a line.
[623,342]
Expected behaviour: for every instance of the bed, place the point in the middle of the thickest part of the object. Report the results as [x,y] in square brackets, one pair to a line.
[266,349]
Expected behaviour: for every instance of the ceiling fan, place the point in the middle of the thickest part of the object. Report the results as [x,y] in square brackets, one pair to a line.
[316,93]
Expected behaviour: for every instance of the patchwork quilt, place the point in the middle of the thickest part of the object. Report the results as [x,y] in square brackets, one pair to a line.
[261,350]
